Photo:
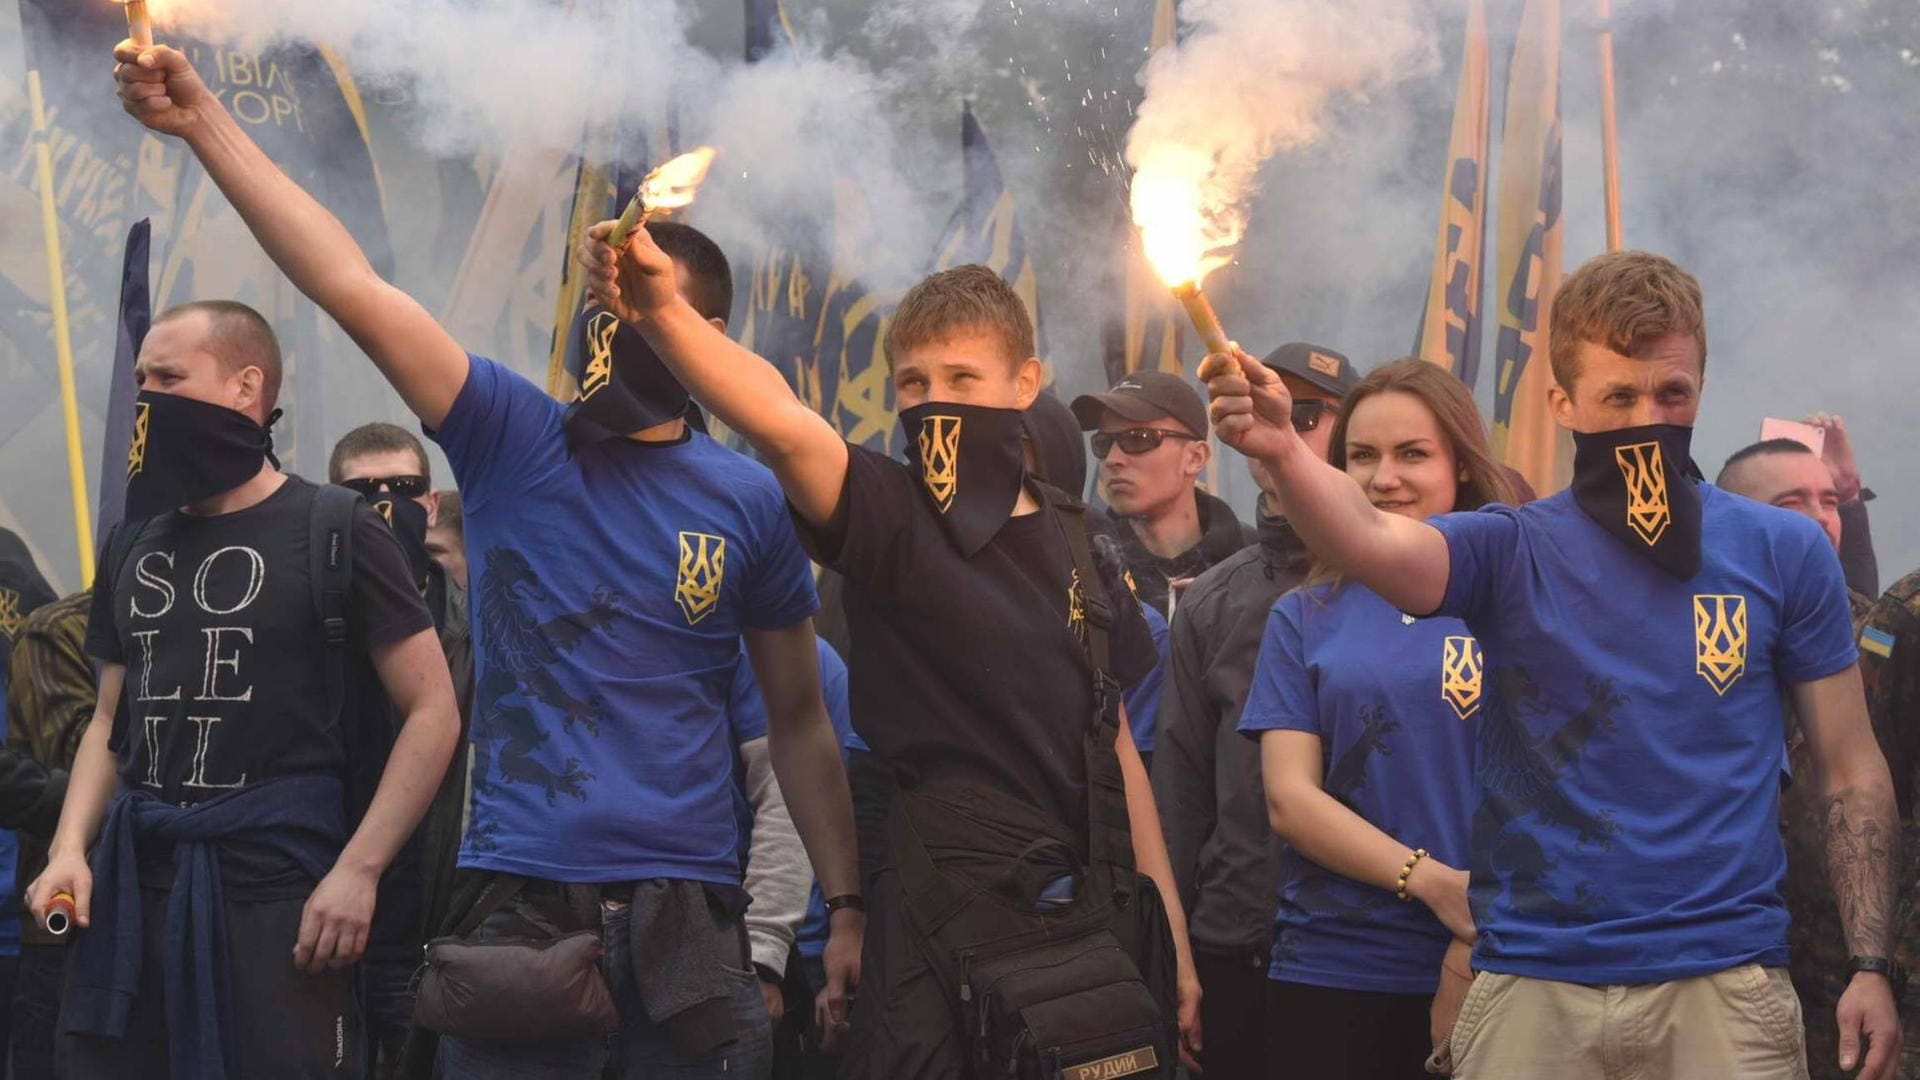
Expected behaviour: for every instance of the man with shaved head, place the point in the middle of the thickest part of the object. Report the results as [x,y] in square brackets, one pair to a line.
[228,898]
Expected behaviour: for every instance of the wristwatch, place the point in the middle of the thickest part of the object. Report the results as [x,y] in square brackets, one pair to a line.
[1895,975]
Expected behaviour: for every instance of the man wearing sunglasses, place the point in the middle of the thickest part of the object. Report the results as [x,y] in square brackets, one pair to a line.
[1206,776]
[1150,437]
[388,466]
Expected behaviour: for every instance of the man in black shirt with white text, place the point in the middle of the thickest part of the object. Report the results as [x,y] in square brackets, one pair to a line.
[226,903]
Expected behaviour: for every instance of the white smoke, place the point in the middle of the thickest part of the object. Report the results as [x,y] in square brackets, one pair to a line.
[1250,79]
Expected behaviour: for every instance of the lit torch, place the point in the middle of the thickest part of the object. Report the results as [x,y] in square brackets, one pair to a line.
[669,187]
[1185,240]
[139,23]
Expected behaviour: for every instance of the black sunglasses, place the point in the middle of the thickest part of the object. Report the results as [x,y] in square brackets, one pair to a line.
[1140,440]
[407,487]
[1306,414]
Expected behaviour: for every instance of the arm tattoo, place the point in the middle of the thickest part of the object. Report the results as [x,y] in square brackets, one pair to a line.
[1863,846]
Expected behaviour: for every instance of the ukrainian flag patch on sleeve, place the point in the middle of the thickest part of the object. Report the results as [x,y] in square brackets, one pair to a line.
[1877,641]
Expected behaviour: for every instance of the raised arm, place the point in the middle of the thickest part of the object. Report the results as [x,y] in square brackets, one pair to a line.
[1403,560]
[744,391]
[159,88]
[1863,849]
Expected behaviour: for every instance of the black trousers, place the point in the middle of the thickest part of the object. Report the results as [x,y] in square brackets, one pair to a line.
[1233,1011]
[288,1025]
[1319,1033]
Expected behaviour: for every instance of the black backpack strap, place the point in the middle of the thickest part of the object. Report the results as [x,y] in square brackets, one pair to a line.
[330,569]
[1071,513]
[499,889]
[1109,834]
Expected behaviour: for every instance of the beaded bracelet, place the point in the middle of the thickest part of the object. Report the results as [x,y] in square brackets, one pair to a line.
[1406,872]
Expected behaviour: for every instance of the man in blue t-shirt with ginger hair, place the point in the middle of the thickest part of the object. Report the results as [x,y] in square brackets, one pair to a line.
[1642,632]
[619,560]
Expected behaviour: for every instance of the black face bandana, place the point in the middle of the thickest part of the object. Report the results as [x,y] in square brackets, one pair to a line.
[971,466]
[624,387]
[185,450]
[409,521]
[1639,484]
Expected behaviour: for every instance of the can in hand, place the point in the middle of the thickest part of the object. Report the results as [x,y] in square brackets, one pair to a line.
[59,918]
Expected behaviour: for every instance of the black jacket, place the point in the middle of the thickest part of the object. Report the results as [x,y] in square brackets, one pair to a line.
[1221,535]
[1206,775]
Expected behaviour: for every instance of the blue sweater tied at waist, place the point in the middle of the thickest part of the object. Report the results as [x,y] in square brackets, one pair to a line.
[299,816]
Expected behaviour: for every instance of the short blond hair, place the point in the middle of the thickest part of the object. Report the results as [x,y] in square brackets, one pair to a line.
[969,297]
[1623,301]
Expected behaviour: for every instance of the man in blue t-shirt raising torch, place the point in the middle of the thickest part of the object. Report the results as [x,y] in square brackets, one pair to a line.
[619,560]
[1642,632]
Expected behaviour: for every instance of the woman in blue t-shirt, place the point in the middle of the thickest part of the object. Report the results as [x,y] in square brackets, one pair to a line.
[1364,717]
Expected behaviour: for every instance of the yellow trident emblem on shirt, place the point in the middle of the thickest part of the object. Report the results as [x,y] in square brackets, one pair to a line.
[137,449]
[1077,607]
[10,617]
[599,370]
[1720,639]
[703,566]
[940,458]
[1645,470]
[1460,674]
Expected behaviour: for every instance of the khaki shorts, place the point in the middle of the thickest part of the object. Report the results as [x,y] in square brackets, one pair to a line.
[1739,1024]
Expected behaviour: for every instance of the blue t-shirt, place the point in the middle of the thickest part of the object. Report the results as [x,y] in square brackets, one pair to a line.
[1393,701]
[609,592]
[1143,697]
[1632,740]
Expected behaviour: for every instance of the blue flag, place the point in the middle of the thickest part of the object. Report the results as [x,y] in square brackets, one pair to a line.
[984,229]
[136,315]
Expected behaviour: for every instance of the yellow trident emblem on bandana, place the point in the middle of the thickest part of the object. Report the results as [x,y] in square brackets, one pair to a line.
[1460,674]
[703,566]
[940,458]
[599,370]
[1720,639]
[10,617]
[137,449]
[1645,470]
[385,509]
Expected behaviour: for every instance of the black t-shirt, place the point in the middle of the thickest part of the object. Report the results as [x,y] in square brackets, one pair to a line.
[970,670]
[215,621]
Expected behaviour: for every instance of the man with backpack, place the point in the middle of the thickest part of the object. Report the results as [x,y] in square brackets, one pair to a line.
[228,900]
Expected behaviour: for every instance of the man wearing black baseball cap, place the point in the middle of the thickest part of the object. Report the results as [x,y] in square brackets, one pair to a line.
[1150,437]
[1206,775]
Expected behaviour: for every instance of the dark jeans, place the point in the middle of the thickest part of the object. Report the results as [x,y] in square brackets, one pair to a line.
[1233,1009]
[36,1011]
[640,1050]
[287,1024]
[1319,1033]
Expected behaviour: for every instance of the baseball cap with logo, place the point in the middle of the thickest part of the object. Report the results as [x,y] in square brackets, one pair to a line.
[1321,366]
[1145,395]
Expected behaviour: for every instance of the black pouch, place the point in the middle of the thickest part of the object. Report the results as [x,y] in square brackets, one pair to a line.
[517,989]
[1073,1009]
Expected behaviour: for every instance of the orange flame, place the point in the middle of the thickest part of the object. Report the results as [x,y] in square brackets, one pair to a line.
[1187,225]
[673,185]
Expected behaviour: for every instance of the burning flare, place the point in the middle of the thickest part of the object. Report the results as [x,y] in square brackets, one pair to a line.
[1186,228]
[672,186]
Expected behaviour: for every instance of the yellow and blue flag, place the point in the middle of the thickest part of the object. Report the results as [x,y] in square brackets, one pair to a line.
[781,298]
[985,229]
[1450,325]
[1529,265]
[848,377]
